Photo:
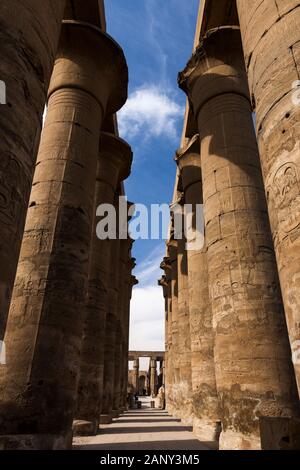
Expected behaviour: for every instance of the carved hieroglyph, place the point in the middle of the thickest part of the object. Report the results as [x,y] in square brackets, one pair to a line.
[29,36]
[271,40]
[44,332]
[115,158]
[252,356]
[204,398]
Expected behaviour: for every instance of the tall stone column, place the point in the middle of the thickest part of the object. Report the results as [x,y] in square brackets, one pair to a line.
[163,369]
[136,369]
[174,371]
[43,337]
[29,34]
[119,336]
[114,164]
[165,282]
[121,345]
[254,373]
[205,399]
[124,314]
[271,37]
[153,376]
[111,331]
[184,392]
[130,282]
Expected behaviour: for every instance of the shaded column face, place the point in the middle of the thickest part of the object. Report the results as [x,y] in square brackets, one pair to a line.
[205,400]
[114,163]
[29,34]
[153,377]
[184,386]
[111,332]
[271,34]
[128,283]
[136,369]
[123,340]
[252,356]
[50,288]
[165,282]
[173,358]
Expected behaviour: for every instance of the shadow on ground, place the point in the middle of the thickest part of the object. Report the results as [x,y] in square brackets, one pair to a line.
[192,444]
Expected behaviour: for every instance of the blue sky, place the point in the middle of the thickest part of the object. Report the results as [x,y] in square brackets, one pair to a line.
[157,38]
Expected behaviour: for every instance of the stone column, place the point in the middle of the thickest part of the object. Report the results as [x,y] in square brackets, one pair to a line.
[174,373]
[205,400]
[163,369]
[111,331]
[252,356]
[184,392]
[114,164]
[153,375]
[165,282]
[124,312]
[136,367]
[117,403]
[131,281]
[121,345]
[43,337]
[271,37]
[29,33]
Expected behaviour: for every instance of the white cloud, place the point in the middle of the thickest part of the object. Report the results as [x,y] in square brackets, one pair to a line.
[148,272]
[151,111]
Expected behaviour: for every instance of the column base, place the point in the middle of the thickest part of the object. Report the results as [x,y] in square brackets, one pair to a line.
[233,440]
[36,442]
[280,433]
[85,428]
[115,413]
[106,419]
[207,432]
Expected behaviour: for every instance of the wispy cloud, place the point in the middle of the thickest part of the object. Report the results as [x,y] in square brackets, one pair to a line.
[150,111]
[148,272]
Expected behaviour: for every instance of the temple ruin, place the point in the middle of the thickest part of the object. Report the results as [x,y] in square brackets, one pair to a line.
[233,373]
[231,368]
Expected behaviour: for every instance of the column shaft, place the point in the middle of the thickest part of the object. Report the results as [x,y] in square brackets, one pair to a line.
[114,162]
[44,332]
[173,371]
[153,377]
[29,33]
[111,333]
[271,39]
[184,391]
[136,370]
[120,346]
[205,399]
[165,282]
[252,355]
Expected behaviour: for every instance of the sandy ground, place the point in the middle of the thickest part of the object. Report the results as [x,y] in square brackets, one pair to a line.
[145,429]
